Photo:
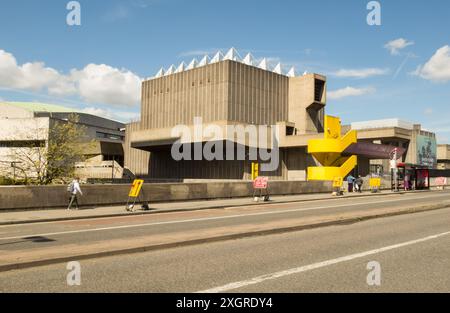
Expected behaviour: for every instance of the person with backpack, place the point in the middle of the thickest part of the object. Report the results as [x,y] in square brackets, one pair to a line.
[74,189]
[359,182]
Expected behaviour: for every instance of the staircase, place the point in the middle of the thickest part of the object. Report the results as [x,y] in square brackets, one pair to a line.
[328,152]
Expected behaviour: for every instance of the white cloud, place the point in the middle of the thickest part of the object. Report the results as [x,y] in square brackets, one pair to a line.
[128,116]
[64,86]
[112,114]
[438,67]
[93,84]
[361,73]
[394,46]
[105,84]
[32,76]
[98,112]
[349,92]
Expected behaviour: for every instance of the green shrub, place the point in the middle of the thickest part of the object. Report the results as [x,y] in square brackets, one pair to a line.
[7,181]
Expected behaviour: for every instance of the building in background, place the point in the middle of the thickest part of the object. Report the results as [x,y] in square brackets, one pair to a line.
[229,90]
[443,157]
[224,91]
[420,144]
[27,125]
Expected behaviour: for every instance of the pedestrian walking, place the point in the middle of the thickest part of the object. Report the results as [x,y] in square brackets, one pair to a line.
[350,182]
[74,189]
[359,182]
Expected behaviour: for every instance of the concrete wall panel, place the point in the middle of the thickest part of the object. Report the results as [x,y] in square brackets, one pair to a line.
[32,197]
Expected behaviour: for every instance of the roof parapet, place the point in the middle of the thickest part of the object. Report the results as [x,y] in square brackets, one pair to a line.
[233,55]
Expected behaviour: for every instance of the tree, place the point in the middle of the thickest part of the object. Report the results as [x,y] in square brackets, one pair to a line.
[51,154]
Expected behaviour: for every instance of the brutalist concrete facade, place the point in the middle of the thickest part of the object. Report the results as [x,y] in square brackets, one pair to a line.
[230,92]
[396,133]
[226,93]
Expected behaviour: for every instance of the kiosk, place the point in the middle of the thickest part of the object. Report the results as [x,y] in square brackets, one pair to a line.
[411,177]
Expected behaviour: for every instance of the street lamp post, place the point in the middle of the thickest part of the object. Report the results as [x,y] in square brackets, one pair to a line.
[112,172]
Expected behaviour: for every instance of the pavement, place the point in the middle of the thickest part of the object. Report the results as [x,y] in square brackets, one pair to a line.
[412,251]
[37,244]
[33,216]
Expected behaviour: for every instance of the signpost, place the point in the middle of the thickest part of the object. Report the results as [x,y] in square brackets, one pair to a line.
[259,184]
[255,170]
[136,188]
[375,184]
[441,182]
[337,182]
[134,194]
[393,164]
[337,186]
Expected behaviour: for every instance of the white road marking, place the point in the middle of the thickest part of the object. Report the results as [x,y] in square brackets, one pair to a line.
[202,219]
[262,278]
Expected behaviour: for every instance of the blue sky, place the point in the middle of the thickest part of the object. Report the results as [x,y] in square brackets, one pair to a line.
[398,69]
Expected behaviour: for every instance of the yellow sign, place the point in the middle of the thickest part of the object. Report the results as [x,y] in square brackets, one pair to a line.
[375,182]
[136,188]
[337,182]
[255,170]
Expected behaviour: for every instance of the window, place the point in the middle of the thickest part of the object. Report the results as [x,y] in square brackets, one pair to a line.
[319,86]
[109,136]
[290,131]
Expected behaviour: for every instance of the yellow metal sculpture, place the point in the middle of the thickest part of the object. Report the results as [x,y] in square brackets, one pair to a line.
[328,152]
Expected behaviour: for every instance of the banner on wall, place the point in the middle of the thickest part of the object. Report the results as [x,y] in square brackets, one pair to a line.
[426,151]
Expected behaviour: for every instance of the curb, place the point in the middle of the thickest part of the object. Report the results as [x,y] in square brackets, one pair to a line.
[213,207]
[345,221]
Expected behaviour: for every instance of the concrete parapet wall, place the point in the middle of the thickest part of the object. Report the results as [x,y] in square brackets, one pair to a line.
[38,197]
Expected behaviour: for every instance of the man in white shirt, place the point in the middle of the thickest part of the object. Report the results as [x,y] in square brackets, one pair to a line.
[74,189]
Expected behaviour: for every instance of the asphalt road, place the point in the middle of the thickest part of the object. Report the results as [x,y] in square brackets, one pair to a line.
[413,251]
[53,234]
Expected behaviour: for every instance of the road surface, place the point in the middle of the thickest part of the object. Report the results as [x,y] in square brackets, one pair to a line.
[413,251]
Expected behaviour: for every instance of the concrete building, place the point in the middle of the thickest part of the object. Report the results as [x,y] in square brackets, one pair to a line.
[229,91]
[420,144]
[443,157]
[226,92]
[27,125]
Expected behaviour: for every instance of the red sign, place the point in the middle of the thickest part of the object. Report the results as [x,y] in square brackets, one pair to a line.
[441,181]
[260,182]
